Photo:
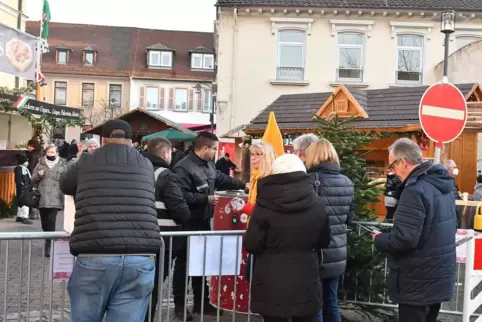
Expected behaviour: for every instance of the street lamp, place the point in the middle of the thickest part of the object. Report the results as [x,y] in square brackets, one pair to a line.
[198,89]
[447,27]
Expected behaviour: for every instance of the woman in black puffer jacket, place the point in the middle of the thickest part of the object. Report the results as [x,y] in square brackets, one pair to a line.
[337,192]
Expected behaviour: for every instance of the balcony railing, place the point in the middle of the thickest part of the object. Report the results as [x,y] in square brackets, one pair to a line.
[406,77]
[290,73]
[349,74]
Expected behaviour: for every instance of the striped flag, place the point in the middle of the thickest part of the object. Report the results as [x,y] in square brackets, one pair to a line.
[21,102]
[45,20]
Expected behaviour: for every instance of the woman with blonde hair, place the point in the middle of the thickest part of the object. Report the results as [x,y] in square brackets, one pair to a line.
[337,192]
[262,158]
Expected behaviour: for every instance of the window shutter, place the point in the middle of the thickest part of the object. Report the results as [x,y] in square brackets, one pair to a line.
[170,104]
[200,101]
[161,98]
[141,97]
[190,102]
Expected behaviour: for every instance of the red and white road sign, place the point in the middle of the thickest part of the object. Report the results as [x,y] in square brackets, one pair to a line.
[442,112]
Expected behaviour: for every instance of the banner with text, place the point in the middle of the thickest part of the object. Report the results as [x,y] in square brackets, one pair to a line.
[60,112]
[17,53]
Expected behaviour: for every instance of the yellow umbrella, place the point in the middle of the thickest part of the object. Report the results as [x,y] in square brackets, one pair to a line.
[272,135]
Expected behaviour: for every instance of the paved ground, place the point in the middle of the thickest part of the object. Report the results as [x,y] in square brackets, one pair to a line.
[27,291]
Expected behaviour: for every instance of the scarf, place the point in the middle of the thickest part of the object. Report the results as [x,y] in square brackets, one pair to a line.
[253,187]
[51,164]
[25,171]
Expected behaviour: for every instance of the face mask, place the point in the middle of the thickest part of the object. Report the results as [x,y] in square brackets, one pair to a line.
[455,172]
[51,158]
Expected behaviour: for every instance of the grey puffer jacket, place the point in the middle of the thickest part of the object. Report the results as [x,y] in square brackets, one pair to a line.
[48,185]
[337,192]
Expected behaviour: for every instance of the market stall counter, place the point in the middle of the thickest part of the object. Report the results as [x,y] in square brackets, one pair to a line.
[231,298]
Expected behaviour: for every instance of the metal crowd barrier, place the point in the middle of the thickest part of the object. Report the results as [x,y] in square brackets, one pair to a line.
[31,294]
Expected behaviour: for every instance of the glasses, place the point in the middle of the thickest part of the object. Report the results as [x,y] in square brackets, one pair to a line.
[393,164]
[212,147]
[257,155]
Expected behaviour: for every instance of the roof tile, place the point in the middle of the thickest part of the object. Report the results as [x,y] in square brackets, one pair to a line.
[121,50]
[386,108]
[461,5]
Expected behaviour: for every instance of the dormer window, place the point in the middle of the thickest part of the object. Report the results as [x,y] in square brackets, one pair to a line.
[89,56]
[202,58]
[159,56]
[63,53]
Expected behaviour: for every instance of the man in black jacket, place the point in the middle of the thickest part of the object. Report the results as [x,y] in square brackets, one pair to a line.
[172,210]
[421,243]
[115,230]
[199,178]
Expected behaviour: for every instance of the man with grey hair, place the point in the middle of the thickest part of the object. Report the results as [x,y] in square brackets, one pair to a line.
[421,243]
[302,142]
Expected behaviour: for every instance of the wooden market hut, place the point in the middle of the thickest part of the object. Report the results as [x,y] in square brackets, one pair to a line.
[391,110]
[144,122]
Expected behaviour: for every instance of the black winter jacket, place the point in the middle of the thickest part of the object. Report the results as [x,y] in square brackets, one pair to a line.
[337,193]
[115,206]
[22,179]
[287,228]
[198,180]
[421,244]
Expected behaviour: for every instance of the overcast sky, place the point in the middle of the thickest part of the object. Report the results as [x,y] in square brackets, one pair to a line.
[195,15]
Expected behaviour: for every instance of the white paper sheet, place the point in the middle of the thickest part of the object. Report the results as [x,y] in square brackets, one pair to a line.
[63,261]
[69,214]
[231,249]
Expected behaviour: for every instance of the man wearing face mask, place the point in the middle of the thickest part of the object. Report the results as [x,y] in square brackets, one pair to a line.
[421,244]
[392,194]
[198,178]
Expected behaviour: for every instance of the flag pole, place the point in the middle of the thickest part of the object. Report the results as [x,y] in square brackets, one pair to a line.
[38,95]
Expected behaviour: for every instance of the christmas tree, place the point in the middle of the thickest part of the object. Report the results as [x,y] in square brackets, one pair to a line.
[364,276]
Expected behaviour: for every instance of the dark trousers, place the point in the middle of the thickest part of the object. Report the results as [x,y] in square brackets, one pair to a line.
[48,217]
[179,277]
[155,296]
[310,318]
[410,313]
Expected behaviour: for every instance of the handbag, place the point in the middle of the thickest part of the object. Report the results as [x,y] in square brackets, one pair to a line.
[30,196]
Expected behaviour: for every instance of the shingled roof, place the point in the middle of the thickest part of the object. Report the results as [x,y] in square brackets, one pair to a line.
[121,50]
[461,5]
[395,107]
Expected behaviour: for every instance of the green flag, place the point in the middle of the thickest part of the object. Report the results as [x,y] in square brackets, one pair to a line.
[45,20]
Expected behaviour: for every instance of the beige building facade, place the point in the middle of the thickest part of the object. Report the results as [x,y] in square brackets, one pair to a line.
[265,52]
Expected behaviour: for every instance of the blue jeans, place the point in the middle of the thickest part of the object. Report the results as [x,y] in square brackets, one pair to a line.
[118,285]
[330,310]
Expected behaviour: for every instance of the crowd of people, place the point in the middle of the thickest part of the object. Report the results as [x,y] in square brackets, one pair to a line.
[299,204]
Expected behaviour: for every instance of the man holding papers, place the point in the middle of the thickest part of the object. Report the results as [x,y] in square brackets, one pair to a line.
[421,244]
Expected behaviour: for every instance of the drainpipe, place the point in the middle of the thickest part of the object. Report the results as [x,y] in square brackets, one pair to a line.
[19,27]
[233,69]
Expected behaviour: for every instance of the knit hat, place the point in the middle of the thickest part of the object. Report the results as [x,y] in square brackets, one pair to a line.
[109,128]
[287,163]
[21,158]
[89,142]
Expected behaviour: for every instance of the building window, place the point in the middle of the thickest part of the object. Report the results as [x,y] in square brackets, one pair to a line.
[350,56]
[181,100]
[208,101]
[463,41]
[160,58]
[291,55]
[410,59]
[202,61]
[88,94]
[115,95]
[89,58]
[152,97]
[62,56]
[60,94]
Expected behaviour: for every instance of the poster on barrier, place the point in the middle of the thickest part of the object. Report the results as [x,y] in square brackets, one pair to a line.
[63,261]
[69,213]
[462,248]
[231,248]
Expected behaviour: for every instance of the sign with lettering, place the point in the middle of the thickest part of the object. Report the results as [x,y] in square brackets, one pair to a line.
[17,53]
[60,112]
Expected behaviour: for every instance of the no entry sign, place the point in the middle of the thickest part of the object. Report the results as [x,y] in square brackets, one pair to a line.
[442,113]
